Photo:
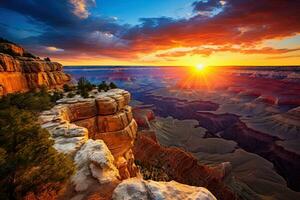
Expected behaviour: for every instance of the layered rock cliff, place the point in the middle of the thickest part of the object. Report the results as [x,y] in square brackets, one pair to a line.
[99,133]
[21,71]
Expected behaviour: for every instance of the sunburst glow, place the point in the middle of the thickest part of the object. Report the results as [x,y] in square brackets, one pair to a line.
[200,67]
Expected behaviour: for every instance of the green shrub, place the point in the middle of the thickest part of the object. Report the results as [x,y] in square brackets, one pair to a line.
[29,101]
[84,94]
[47,59]
[67,88]
[71,95]
[27,157]
[84,84]
[112,85]
[103,86]
[56,96]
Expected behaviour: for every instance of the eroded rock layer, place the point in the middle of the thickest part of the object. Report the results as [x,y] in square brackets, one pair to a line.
[19,73]
[182,166]
[107,117]
[104,157]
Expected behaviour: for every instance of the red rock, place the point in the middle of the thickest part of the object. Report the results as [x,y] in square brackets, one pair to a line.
[20,74]
[182,166]
[11,49]
[82,110]
[143,116]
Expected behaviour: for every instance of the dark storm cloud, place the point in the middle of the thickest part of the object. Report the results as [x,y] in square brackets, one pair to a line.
[54,13]
[66,27]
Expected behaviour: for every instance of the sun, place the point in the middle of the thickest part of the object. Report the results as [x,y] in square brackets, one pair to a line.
[200,67]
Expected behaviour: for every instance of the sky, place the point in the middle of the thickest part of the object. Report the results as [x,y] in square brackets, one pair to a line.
[156,32]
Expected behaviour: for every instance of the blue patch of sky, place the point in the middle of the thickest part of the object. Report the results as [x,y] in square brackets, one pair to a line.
[17,26]
[130,11]
[289,43]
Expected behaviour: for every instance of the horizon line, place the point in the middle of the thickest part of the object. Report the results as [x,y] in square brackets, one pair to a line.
[181,65]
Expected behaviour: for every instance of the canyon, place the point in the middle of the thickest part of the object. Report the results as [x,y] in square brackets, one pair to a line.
[20,71]
[99,134]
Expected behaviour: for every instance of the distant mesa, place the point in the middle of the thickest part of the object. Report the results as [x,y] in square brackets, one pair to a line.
[21,71]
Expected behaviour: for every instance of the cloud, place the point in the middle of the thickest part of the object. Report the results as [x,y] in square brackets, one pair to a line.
[245,22]
[80,7]
[207,51]
[283,57]
[209,7]
[68,25]
[54,49]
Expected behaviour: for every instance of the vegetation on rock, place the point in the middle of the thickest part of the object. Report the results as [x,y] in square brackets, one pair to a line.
[28,160]
[84,86]
[47,59]
[103,86]
[151,172]
[69,88]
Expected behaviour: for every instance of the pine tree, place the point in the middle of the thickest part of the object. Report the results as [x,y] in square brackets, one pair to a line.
[27,157]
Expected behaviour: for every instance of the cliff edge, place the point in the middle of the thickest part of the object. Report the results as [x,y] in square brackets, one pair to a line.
[21,71]
[99,134]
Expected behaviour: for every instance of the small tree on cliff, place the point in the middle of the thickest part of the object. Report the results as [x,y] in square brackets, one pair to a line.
[112,85]
[84,86]
[103,86]
[27,158]
[47,59]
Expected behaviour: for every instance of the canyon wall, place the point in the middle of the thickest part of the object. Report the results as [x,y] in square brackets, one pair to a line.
[99,134]
[106,117]
[21,71]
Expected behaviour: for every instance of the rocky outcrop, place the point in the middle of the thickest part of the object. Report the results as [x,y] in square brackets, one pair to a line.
[104,157]
[19,73]
[11,49]
[107,117]
[151,190]
[99,134]
[182,166]
[94,160]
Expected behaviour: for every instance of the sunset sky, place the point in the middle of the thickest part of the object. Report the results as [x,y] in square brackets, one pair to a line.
[156,32]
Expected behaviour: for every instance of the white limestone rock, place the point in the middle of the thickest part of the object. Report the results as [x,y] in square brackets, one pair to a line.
[94,160]
[135,188]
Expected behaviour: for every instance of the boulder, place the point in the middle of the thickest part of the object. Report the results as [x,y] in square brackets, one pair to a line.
[151,190]
[94,160]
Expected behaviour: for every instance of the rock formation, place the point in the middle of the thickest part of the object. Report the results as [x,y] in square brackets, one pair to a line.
[99,134]
[21,71]
[264,181]
[150,190]
[182,166]
[106,117]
